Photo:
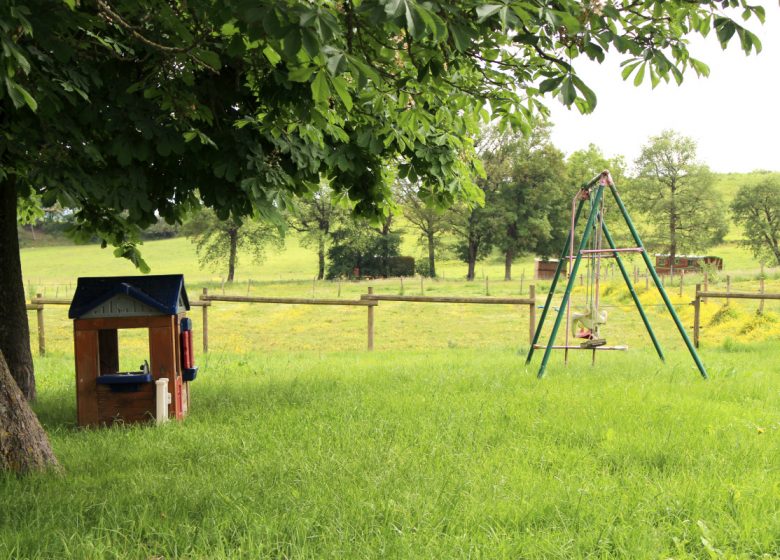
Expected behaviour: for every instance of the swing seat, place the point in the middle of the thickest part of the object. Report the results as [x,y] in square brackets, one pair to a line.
[593,343]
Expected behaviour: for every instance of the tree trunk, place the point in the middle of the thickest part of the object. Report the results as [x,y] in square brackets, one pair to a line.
[431,255]
[24,446]
[509,256]
[321,256]
[472,260]
[14,330]
[233,233]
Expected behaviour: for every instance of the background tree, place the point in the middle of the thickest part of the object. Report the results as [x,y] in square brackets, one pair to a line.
[360,250]
[529,198]
[757,209]
[474,228]
[316,216]
[674,192]
[583,165]
[218,242]
[430,221]
[126,111]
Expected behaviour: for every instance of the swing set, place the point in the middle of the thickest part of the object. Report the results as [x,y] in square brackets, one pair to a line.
[586,324]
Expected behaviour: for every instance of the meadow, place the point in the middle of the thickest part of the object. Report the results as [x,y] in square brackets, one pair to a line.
[439,444]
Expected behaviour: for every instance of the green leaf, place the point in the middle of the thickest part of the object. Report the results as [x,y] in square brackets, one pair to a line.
[587,93]
[336,64]
[272,56]
[364,69]
[486,10]
[319,88]
[725,29]
[301,73]
[310,42]
[568,93]
[340,85]
[700,68]
[640,75]
[629,67]
[209,58]
[550,84]
[460,36]
[292,43]
[28,99]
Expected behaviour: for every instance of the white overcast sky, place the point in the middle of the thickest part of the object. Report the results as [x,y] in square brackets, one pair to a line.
[734,115]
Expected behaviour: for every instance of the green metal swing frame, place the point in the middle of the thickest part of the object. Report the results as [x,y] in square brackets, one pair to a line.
[594,191]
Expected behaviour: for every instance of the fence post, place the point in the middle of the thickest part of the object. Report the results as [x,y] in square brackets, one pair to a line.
[728,288]
[647,280]
[761,289]
[422,287]
[532,313]
[636,274]
[402,285]
[696,315]
[205,326]
[487,286]
[522,278]
[682,278]
[706,285]
[41,330]
[370,322]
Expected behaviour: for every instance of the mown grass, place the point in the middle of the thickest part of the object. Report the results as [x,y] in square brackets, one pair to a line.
[440,444]
[442,454]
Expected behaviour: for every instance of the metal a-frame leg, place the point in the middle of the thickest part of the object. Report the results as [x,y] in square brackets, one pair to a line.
[631,289]
[572,277]
[553,285]
[658,284]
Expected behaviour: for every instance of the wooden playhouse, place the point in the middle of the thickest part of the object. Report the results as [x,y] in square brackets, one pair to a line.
[100,308]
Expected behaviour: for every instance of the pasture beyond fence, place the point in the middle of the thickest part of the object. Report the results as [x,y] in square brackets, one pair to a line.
[369,301]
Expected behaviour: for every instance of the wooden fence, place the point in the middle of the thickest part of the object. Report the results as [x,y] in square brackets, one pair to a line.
[38,303]
[369,301]
[702,295]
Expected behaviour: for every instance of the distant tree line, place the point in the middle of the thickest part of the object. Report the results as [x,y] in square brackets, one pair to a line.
[523,208]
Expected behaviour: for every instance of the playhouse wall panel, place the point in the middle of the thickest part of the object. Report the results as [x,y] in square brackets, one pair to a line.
[87,369]
[163,344]
[123,323]
[136,406]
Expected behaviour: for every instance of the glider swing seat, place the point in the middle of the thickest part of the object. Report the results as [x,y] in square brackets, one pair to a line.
[585,324]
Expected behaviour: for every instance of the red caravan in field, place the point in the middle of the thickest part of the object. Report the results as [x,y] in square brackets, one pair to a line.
[688,263]
[100,307]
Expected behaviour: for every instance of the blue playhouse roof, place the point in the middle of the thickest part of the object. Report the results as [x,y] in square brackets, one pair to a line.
[160,292]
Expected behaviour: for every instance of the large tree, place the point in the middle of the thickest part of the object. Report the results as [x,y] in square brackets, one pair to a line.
[126,110]
[429,220]
[218,242]
[530,198]
[757,209]
[316,216]
[674,191]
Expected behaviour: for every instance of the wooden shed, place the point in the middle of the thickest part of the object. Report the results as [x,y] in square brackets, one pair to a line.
[102,306]
[544,269]
[688,263]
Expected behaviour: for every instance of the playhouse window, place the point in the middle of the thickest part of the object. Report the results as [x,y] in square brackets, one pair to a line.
[123,350]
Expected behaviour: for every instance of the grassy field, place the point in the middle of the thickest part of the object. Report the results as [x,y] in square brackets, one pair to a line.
[440,444]
[443,454]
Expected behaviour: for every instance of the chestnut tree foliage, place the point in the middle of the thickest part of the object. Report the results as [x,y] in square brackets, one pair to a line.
[130,110]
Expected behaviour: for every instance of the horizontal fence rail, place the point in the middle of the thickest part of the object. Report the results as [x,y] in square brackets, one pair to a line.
[447,299]
[368,301]
[702,295]
[293,301]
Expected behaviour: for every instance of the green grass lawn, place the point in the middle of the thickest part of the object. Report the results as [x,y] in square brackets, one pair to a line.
[419,454]
[440,444]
